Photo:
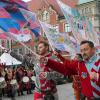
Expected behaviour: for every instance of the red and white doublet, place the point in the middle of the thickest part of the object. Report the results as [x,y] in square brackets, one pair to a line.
[43,83]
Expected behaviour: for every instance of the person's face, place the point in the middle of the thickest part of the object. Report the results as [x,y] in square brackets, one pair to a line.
[86,51]
[42,49]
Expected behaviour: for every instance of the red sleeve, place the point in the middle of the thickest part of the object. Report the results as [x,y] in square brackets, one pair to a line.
[61,58]
[67,68]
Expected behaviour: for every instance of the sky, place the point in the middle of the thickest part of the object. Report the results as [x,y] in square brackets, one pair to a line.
[26,0]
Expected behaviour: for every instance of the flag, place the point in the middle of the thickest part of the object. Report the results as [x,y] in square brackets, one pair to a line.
[79,25]
[3,36]
[32,21]
[18,17]
[58,40]
[9,25]
[11,21]
[93,34]
[71,3]
[24,35]
[70,11]
[13,4]
[20,3]
[15,21]
[5,4]
[4,13]
[70,15]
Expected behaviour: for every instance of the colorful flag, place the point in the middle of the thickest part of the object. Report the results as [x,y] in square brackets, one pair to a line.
[13,4]
[24,35]
[11,21]
[3,36]
[58,40]
[18,17]
[20,3]
[32,21]
[79,25]
[72,3]
[4,13]
[15,21]
[70,15]
[9,25]
[70,11]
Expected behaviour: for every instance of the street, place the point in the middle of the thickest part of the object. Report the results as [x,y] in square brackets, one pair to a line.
[65,92]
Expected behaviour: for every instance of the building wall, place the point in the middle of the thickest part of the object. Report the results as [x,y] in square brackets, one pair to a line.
[91,11]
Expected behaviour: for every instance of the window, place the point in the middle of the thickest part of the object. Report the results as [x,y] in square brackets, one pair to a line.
[90,10]
[20,51]
[86,10]
[67,27]
[83,11]
[15,50]
[45,16]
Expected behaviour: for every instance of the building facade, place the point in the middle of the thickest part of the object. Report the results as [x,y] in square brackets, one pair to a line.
[91,9]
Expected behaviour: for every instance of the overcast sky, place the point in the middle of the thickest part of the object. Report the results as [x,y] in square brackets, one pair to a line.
[26,0]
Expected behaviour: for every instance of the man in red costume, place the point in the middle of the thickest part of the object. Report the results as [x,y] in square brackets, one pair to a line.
[88,69]
[44,76]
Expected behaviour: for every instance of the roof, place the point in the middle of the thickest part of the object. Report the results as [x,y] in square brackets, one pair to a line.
[84,1]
